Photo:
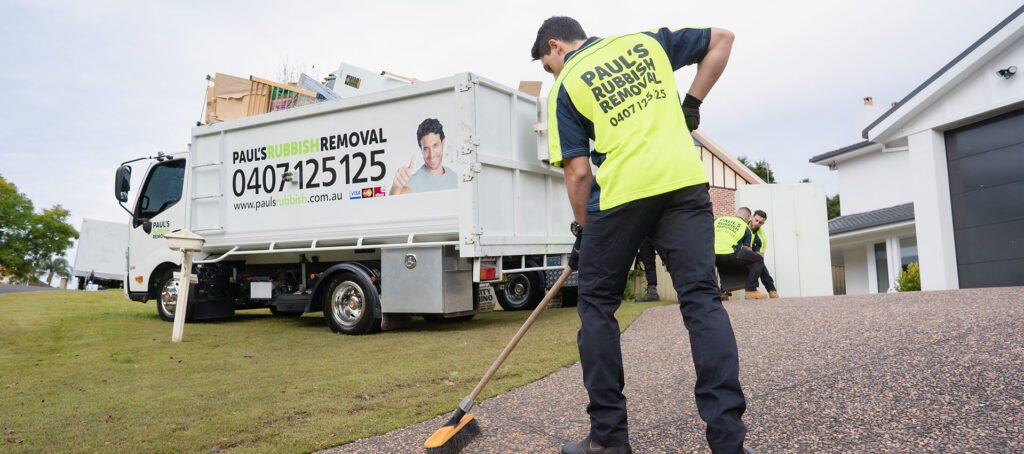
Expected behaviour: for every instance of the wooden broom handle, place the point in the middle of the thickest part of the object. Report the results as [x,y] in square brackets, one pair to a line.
[519,335]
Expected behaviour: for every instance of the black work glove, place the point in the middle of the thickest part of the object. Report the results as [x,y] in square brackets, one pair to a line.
[574,256]
[691,111]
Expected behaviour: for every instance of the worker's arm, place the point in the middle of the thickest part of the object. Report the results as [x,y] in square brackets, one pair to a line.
[709,48]
[578,179]
[713,64]
[744,242]
[569,148]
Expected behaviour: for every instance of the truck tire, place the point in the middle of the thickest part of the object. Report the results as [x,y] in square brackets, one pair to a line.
[166,295]
[522,292]
[351,304]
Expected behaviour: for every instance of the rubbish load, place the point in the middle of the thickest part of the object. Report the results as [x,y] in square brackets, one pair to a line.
[230,97]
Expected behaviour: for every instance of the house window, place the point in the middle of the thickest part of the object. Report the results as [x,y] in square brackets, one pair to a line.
[881,268]
[908,251]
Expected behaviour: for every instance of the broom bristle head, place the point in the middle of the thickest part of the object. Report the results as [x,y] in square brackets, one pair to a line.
[451,438]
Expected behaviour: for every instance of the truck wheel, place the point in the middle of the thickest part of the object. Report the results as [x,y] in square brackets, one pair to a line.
[167,297]
[351,304]
[569,296]
[522,291]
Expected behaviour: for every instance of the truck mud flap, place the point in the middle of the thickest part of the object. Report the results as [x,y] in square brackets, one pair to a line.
[391,322]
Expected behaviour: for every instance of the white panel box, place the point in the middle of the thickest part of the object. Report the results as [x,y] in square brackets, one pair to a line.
[797,227]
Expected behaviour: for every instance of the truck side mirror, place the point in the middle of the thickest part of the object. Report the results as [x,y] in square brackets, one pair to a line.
[122,183]
[147,226]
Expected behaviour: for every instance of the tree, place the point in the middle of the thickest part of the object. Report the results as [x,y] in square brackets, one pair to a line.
[761,168]
[29,239]
[832,205]
[289,71]
[15,218]
[58,266]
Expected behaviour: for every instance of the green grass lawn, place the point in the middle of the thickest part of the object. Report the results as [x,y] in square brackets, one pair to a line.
[91,371]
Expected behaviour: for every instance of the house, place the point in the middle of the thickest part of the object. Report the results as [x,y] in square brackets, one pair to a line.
[939,177]
[726,175]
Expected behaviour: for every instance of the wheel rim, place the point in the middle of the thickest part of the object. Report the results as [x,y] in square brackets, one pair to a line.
[348,304]
[517,291]
[169,296]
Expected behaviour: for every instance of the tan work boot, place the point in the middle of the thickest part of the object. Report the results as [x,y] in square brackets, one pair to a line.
[725,296]
[773,294]
[755,295]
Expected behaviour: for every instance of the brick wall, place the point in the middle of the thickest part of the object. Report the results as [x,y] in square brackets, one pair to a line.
[723,201]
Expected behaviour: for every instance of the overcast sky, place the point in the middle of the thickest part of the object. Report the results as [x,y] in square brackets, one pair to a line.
[87,85]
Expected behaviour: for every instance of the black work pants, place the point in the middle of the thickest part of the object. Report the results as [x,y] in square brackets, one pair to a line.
[752,261]
[681,225]
[767,280]
[645,256]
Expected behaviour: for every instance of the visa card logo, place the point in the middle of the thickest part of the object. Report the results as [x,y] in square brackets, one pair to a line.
[356,194]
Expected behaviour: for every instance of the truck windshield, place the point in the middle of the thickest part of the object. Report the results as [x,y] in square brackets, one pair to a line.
[162,189]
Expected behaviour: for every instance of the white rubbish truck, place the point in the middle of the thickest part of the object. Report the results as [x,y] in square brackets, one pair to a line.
[370,209]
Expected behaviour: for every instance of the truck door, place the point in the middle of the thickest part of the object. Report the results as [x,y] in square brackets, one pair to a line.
[158,211]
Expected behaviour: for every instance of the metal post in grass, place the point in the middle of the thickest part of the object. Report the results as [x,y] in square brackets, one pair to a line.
[188,243]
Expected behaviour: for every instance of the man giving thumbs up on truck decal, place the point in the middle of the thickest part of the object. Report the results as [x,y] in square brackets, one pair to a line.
[433,176]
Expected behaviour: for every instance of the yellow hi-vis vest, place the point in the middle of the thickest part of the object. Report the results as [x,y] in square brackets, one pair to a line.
[625,88]
[761,236]
[729,230]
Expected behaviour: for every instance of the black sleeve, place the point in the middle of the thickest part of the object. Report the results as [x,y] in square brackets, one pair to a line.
[745,241]
[569,129]
[684,46]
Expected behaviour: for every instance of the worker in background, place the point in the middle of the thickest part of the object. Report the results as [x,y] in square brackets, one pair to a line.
[732,249]
[645,258]
[621,93]
[759,244]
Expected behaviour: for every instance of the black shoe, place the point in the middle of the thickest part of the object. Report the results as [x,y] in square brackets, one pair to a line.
[588,446]
[651,295]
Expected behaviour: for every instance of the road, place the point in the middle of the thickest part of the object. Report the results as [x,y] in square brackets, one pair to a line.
[9,288]
[908,372]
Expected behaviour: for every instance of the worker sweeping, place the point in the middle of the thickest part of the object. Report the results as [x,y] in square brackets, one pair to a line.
[620,92]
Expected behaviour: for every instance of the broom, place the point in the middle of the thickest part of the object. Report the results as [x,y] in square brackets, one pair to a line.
[462,427]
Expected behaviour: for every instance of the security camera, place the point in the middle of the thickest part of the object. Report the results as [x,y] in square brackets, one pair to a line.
[1007,72]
